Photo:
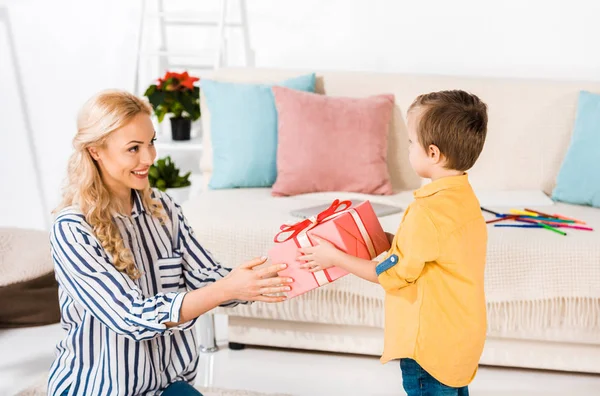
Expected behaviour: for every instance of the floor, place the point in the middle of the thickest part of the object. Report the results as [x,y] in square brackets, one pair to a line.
[27,354]
[305,374]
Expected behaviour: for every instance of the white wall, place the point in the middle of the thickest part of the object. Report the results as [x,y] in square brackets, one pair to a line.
[516,38]
[69,49]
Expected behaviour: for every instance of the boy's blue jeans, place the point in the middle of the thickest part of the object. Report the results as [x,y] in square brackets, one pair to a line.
[418,382]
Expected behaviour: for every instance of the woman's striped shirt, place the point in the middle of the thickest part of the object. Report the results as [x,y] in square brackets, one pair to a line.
[116,340]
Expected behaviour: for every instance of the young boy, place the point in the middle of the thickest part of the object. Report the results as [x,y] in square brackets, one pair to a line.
[435,313]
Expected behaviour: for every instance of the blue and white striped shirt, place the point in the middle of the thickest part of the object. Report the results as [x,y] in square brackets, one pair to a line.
[117,342]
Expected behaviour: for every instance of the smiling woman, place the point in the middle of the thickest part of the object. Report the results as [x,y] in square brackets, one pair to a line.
[132,276]
[114,142]
[125,157]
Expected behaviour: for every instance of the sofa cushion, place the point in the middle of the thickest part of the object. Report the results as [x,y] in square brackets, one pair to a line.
[332,143]
[578,181]
[333,84]
[243,131]
[28,288]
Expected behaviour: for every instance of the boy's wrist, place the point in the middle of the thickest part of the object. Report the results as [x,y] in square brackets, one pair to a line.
[339,259]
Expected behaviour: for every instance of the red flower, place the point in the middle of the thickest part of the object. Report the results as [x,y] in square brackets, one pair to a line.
[176,81]
[172,75]
[168,75]
[188,81]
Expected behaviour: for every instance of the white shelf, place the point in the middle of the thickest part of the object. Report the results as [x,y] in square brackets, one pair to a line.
[164,142]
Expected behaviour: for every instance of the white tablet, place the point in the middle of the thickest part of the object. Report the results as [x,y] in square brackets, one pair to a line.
[379,208]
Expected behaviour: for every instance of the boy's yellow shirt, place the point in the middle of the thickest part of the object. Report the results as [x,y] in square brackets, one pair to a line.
[435,310]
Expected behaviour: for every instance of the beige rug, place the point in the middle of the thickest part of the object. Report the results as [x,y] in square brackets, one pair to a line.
[39,389]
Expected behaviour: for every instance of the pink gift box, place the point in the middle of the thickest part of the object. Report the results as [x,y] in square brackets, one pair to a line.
[355,230]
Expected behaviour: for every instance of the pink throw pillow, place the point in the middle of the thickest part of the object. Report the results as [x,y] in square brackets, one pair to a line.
[332,143]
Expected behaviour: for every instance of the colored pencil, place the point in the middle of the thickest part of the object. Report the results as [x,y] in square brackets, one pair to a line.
[502,218]
[548,219]
[523,212]
[539,213]
[519,225]
[490,211]
[554,215]
[546,226]
[575,227]
[543,225]
[530,220]
[557,225]
[569,218]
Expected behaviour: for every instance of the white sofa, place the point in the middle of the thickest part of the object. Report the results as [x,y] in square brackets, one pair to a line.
[543,289]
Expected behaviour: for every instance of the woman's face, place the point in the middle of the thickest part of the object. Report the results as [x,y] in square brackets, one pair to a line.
[126,156]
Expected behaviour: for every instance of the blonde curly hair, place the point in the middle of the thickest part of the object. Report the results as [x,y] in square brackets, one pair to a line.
[100,116]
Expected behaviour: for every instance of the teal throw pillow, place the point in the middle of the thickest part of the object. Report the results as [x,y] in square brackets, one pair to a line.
[243,131]
[578,181]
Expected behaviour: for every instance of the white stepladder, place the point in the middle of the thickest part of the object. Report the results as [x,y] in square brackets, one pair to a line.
[204,60]
[218,54]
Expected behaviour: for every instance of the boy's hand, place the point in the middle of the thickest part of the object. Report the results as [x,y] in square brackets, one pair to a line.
[322,256]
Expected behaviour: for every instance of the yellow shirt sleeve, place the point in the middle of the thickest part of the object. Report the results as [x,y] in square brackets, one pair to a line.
[415,244]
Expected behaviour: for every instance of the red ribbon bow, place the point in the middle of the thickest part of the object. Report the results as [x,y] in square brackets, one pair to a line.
[335,207]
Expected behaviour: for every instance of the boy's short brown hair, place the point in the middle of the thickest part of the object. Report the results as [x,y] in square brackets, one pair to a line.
[455,122]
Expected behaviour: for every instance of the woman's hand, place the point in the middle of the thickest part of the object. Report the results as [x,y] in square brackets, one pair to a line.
[245,283]
[321,256]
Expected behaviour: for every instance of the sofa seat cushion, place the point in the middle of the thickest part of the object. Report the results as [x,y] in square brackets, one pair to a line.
[537,281]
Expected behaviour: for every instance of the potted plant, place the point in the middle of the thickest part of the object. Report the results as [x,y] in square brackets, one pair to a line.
[176,94]
[165,176]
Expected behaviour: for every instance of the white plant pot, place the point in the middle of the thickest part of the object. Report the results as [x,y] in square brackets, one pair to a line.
[179,195]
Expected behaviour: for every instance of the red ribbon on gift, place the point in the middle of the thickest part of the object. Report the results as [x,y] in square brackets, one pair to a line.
[295,229]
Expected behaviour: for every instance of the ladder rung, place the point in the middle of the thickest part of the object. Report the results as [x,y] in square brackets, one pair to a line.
[199,53]
[189,18]
[190,66]
[180,14]
[200,23]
